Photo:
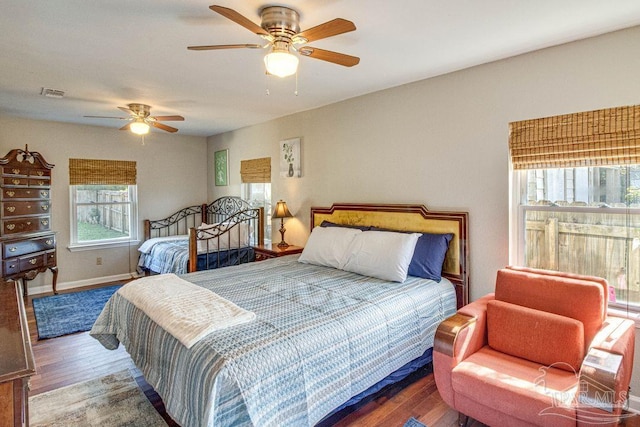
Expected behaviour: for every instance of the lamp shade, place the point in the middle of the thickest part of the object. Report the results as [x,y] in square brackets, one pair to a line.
[281,211]
[139,127]
[281,63]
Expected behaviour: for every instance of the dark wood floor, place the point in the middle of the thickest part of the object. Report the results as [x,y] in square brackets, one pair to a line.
[74,358]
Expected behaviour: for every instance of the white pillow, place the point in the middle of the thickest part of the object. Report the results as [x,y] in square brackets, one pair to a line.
[327,246]
[382,254]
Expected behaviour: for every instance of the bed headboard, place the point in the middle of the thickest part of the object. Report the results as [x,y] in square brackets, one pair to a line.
[411,218]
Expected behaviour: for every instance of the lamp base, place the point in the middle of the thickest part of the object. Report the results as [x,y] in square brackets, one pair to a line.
[282,243]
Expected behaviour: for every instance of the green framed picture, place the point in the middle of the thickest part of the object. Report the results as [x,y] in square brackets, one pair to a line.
[221,163]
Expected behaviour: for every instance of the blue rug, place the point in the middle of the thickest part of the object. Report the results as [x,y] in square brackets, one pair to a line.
[65,314]
[412,422]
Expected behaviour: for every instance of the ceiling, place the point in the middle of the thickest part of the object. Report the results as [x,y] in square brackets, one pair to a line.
[105,54]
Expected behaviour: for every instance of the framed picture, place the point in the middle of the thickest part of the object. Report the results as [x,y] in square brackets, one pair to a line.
[290,158]
[221,163]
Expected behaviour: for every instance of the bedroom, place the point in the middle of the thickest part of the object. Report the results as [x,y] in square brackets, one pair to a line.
[440,141]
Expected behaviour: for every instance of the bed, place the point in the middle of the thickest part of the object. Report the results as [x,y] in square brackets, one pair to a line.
[202,237]
[321,336]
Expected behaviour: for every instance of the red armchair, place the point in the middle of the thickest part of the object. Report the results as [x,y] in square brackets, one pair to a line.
[541,351]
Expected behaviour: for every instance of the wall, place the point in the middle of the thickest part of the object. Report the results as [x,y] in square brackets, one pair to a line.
[171,173]
[441,141]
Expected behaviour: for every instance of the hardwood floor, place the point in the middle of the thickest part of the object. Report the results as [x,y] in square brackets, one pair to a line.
[74,358]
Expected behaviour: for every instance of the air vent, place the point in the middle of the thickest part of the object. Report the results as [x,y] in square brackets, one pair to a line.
[52,93]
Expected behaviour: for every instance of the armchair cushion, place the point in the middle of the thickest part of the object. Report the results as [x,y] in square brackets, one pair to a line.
[538,336]
[583,300]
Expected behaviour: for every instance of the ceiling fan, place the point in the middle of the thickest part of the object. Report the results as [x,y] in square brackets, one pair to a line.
[141,120]
[281,29]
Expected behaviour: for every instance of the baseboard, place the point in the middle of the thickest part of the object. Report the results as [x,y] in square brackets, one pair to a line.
[63,286]
[634,404]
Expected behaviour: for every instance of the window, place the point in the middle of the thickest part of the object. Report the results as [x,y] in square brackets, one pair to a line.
[259,195]
[103,214]
[256,188]
[584,220]
[103,203]
[575,192]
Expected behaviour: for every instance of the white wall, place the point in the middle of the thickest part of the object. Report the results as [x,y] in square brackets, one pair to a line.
[171,174]
[441,141]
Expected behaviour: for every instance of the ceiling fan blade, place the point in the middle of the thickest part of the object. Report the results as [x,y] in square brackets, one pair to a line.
[239,19]
[168,118]
[225,46]
[108,117]
[163,127]
[328,29]
[329,56]
[125,127]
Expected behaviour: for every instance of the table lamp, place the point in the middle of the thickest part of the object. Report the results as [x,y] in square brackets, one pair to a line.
[282,212]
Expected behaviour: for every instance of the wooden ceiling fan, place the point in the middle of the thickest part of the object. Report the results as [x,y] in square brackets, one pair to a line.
[140,119]
[281,29]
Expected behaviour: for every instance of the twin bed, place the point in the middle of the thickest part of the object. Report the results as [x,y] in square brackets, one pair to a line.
[202,237]
[321,337]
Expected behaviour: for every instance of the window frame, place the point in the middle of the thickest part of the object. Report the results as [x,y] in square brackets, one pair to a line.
[131,240]
[518,188]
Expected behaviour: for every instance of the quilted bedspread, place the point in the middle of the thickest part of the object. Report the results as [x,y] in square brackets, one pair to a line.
[320,336]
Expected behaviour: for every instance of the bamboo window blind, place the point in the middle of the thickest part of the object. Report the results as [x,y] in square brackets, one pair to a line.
[255,170]
[101,172]
[602,137]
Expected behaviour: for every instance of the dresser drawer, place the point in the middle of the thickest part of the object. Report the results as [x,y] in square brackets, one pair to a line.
[21,247]
[17,208]
[10,266]
[15,170]
[37,260]
[24,193]
[21,181]
[44,173]
[26,225]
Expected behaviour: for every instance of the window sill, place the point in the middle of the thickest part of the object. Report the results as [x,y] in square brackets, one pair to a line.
[94,246]
[628,314]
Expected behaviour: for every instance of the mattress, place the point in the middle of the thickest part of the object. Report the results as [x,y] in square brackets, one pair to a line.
[320,336]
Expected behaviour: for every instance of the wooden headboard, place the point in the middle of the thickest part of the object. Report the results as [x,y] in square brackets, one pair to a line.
[411,218]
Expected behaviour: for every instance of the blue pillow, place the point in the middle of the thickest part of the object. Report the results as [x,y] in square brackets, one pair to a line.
[428,256]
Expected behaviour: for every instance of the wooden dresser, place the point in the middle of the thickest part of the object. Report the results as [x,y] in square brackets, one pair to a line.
[16,357]
[269,250]
[27,242]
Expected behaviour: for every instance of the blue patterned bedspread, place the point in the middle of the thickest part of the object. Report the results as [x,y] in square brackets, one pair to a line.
[173,257]
[320,336]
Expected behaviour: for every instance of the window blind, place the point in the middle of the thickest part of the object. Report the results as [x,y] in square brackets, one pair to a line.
[256,170]
[602,137]
[102,172]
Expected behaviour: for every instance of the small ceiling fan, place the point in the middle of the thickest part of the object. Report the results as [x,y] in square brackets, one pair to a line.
[281,29]
[141,120]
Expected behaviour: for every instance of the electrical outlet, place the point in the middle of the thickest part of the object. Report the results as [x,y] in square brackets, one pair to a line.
[99,261]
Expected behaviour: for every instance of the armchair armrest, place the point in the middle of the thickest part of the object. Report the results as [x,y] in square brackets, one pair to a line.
[606,373]
[447,333]
[598,377]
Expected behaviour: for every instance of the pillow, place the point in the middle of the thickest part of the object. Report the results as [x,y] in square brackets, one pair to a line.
[428,256]
[382,254]
[327,246]
[326,223]
[535,335]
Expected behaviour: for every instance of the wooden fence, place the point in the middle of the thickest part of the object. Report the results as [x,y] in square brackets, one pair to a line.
[604,244]
[105,208]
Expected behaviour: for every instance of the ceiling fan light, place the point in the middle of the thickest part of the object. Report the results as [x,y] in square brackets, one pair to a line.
[139,127]
[281,64]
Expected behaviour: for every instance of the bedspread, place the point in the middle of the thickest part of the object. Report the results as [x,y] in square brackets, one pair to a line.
[171,255]
[320,336]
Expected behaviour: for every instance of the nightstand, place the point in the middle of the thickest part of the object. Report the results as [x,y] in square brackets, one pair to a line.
[268,250]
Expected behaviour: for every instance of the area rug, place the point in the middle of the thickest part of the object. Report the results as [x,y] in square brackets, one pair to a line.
[412,422]
[65,314]
[111,401]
